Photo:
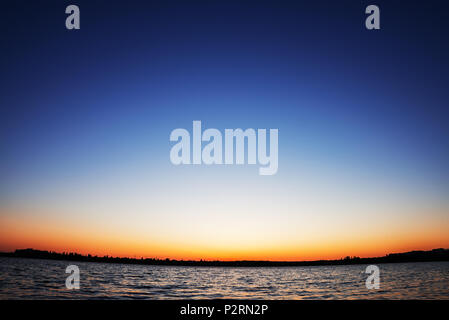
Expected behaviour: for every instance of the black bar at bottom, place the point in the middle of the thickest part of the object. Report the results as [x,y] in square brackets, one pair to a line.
[228,309]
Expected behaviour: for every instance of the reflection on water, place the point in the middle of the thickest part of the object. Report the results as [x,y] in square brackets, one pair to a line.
[45,279]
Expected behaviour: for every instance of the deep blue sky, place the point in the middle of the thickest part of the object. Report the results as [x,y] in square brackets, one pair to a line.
[369,108]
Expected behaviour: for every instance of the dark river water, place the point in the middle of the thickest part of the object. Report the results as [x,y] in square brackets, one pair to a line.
[46,279]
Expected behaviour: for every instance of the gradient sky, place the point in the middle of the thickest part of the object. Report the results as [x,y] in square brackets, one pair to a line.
[362,116]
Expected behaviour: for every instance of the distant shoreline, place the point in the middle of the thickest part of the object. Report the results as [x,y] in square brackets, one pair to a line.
[412,256]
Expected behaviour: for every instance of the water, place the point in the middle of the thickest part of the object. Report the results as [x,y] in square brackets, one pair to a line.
[45,279]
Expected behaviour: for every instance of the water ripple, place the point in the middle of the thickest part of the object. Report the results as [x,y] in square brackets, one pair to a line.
[45,279]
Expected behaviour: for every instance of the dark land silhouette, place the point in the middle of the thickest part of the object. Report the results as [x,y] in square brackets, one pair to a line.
[412,256]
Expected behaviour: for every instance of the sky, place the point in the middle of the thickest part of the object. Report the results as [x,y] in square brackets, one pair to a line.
[86,117]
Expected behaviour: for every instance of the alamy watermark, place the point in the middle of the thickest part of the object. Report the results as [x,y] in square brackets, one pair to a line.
[373,280]
[372,22]
[73,280]
[212,153]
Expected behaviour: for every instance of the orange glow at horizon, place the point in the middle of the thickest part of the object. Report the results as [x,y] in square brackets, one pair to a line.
[66,236]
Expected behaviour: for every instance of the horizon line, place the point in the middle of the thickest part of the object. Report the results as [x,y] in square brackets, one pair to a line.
[440,254]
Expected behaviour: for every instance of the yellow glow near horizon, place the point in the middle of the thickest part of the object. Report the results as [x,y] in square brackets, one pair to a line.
[265,242]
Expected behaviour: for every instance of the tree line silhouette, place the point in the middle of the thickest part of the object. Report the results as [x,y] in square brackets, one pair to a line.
[412,256]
